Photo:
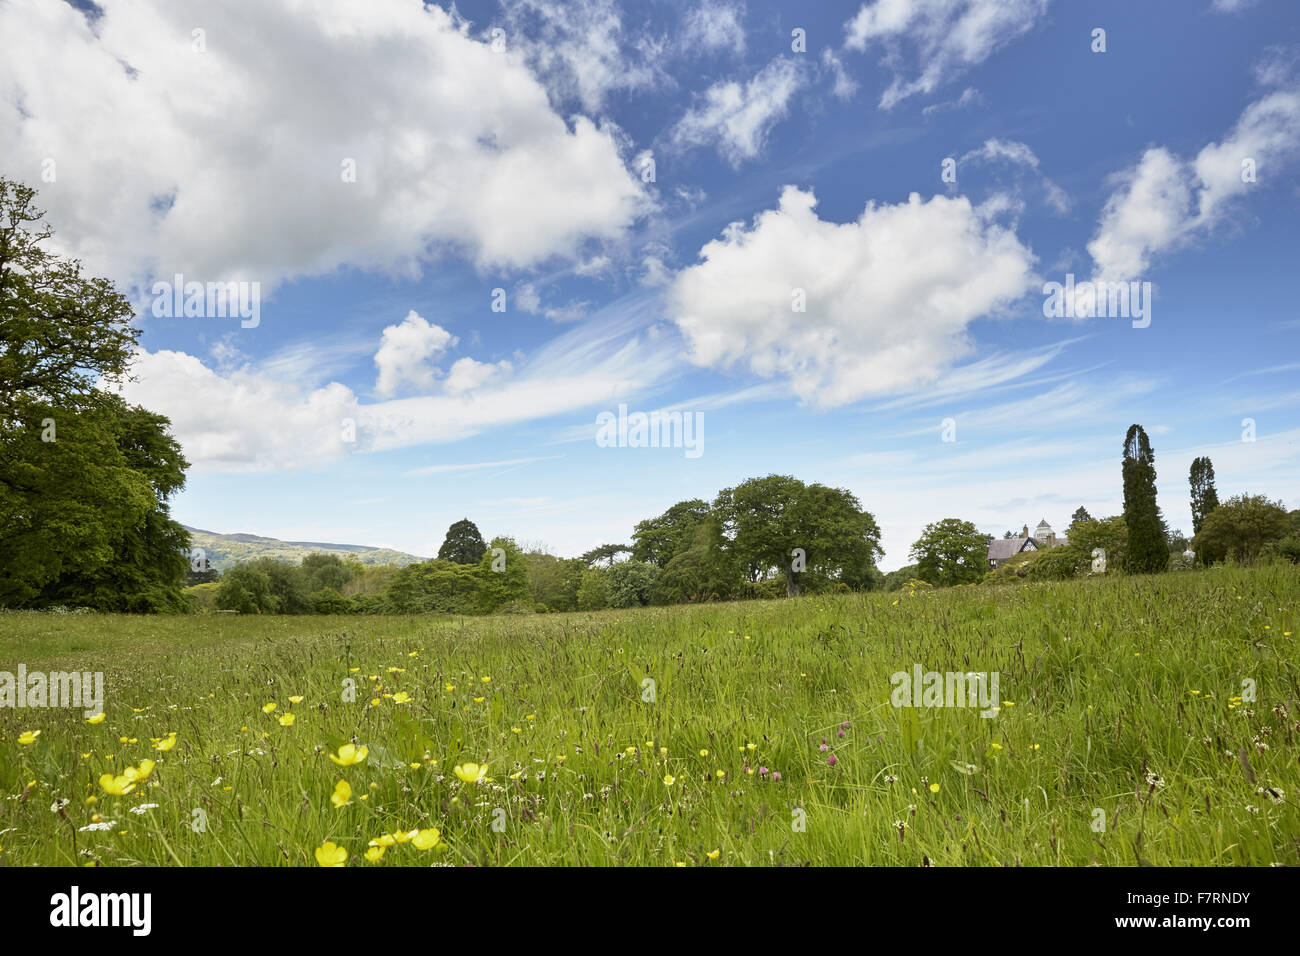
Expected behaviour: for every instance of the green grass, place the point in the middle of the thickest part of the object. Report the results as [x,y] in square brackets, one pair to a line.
[1116,694]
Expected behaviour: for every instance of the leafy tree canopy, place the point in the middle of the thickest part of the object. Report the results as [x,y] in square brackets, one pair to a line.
[463,544]
[951,552]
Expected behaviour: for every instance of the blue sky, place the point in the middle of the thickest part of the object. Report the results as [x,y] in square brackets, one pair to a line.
[186,140]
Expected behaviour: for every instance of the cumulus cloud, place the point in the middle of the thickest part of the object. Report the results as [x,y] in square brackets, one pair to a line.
[467,374]
[944,37]
[1166,201]
[243,420]
[734,117]
[407,352]
[888,296]
[254,418]
[234,161]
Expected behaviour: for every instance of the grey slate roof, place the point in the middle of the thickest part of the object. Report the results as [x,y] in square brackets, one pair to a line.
[1000,549]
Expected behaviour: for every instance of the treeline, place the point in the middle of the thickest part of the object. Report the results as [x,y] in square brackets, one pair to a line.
[1245,529]
[85,481]
[766,537]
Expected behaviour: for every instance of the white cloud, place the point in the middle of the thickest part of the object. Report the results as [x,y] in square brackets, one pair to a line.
[243,420]
[969,97]
[251,419]
[1165,201]
[714,25]
[407,352]
[889,296]
[735,118]
[947,36]
[1003,149]
[582,49]
[530,300]
[845,86]
[478,466]
[1018,154]
[234,162]
[655,273]
[467,374]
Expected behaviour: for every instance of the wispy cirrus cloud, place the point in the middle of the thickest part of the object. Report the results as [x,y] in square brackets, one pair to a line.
[930,42]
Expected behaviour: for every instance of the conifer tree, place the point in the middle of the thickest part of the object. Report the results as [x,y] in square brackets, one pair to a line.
[1148,551]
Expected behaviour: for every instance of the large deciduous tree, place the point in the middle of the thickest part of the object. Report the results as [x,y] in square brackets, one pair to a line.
[951,552]
[60,332]
[780,525]
[1241,527]
[84,477]
[1148,551]
[659,540]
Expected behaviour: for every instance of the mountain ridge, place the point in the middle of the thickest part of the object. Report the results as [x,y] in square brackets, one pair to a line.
[224,551]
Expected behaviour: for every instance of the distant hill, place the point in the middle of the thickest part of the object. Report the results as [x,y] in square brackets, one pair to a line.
[226,550]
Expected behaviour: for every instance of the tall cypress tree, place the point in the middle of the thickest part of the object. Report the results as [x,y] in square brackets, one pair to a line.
[1205,498]
[1147,550]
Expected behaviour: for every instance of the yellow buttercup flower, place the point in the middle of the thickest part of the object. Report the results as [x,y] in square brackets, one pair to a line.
[267,708]
[286,720]
[330,854]
[704,753]
[934,788]
[714,854]
[669,779]
[375,853]
[296,700]
[97,719]
[164,743]
[425,839]
[401,697]
[342,795]
[349,755]
[118,786]
[383,841]
[28,737]
[472,772]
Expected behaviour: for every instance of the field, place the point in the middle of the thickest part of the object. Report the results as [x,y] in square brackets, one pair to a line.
[1141,721]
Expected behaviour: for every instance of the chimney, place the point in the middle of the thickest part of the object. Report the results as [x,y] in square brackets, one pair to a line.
[1025,533]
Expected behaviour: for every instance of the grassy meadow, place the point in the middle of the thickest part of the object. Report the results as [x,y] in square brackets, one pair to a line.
[1123,737]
